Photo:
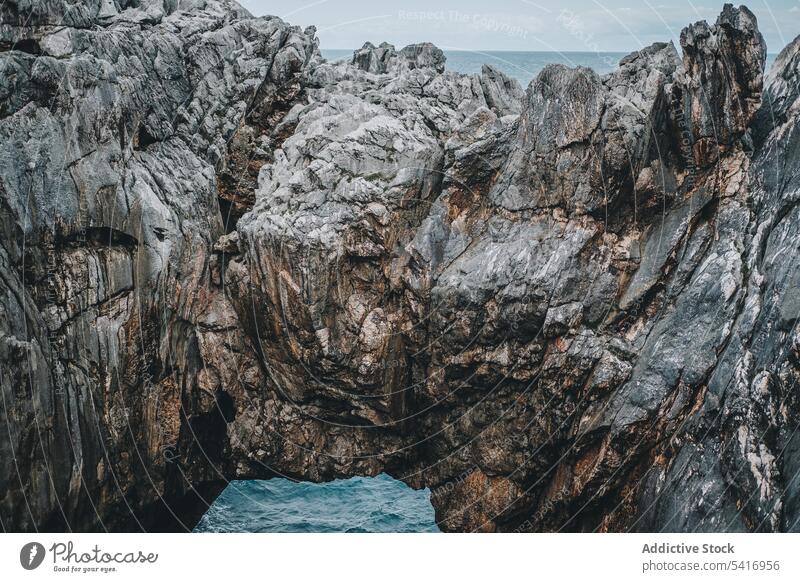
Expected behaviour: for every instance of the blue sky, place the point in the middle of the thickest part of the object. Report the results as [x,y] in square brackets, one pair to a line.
[533,25]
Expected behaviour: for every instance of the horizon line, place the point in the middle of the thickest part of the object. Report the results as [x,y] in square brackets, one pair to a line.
[625,52]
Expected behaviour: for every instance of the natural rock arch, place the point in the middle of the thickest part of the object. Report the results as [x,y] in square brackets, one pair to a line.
[223,257]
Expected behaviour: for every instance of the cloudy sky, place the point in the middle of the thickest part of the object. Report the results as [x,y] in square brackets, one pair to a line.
[533,25]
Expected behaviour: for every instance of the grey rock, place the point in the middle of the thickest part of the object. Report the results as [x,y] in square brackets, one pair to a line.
[222,257]
[385,59]
[503,94]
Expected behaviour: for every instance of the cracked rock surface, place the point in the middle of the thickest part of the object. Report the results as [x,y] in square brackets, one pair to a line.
[571,308]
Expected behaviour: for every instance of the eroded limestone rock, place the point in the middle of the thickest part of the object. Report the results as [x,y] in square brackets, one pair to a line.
[224,257]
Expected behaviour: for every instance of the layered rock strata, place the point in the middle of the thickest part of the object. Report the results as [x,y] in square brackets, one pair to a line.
[223,257]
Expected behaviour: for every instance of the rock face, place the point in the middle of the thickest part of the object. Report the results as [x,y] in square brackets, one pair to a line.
[223,257]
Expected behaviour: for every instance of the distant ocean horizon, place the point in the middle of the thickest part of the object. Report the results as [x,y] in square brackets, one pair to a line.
[520,65]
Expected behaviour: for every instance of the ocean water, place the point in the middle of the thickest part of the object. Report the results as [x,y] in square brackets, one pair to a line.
[361,504]
[522,66]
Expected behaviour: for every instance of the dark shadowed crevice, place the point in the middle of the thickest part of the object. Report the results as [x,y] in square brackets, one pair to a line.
[143,139]
[28,45]
[100,236]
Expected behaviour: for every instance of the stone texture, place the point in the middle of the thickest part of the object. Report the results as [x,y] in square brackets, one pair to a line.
[223,257]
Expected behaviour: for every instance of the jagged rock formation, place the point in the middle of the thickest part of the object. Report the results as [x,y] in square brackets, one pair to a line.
[223,257]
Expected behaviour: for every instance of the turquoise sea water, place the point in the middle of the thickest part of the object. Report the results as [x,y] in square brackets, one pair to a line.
[376,504]
[523,66]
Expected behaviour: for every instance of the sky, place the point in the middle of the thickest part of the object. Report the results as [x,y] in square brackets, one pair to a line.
[521,25]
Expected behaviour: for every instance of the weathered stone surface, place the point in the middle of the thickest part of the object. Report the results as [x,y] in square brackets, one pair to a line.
[223,257]
[110,324]
[724,66]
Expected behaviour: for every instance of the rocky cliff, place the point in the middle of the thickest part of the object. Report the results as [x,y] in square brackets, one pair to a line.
[222,257]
